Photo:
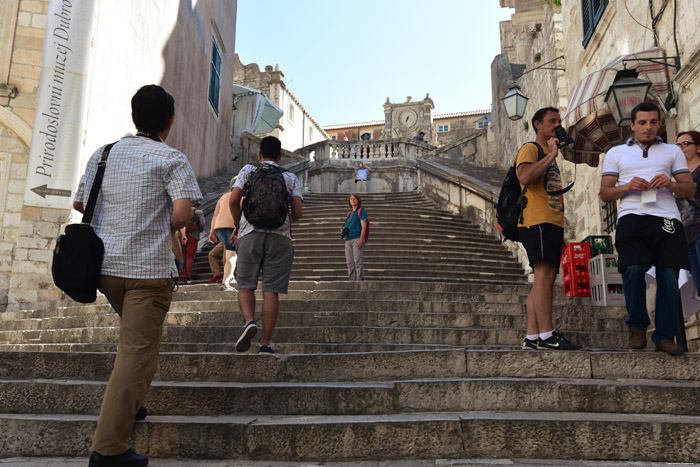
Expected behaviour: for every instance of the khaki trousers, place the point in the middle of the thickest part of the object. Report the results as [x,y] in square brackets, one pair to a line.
[215,256]
[142,305]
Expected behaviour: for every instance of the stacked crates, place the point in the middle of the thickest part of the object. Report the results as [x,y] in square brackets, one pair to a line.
[574,266]
[606,282]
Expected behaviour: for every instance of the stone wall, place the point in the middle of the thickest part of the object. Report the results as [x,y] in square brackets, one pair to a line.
[470,149]
[546,88]
[459,128]
[28,233]
[617,34]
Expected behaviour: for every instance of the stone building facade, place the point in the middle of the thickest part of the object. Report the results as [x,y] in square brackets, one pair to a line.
[297,128]
[169,43]
[536,35]
[444,128]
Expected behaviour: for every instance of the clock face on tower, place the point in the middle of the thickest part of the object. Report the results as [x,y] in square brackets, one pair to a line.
[407,118]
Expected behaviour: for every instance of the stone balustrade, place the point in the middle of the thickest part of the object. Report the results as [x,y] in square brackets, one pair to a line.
[331,165]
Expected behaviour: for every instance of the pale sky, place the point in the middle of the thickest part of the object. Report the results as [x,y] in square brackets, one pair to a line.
[343,58]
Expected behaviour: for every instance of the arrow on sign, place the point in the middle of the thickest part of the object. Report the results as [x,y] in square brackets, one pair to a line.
[43,191]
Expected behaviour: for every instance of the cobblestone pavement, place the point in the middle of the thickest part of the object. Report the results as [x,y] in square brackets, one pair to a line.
[71,462]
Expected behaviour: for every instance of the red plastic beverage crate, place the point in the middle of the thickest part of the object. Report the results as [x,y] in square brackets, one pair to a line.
[575,274]
[576,253]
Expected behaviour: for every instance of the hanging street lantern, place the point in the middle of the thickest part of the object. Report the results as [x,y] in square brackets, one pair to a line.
[514,102]
[626,92]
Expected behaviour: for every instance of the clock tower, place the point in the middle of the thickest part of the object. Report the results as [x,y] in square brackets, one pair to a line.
[407,119]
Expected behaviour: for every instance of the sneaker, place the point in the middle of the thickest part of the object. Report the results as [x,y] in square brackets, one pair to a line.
[266,349]
[249,331]
[557,342]
[216,279]
[530,345]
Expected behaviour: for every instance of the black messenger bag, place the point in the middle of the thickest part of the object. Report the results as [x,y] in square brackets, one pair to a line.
[77,257]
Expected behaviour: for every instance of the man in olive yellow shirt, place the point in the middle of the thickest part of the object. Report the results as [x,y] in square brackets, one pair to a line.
[542,229]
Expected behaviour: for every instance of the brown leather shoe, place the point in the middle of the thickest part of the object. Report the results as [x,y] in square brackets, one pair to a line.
[638,339]
[669,347]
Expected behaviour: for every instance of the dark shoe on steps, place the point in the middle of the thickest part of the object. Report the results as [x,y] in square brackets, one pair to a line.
[243,342]
[638,339]
[127,459]
[669,347]
[557,342]
[530,344]
[142,413]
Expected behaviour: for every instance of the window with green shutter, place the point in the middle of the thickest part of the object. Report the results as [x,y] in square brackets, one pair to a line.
[591,12]
[215,77]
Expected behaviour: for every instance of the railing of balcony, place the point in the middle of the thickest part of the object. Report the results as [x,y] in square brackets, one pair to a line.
[364,150]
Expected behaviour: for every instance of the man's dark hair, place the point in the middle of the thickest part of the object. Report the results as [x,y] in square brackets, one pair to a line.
[539,115]
[151,108]
[694,135]
[270,147]
[645,107]
[422,133]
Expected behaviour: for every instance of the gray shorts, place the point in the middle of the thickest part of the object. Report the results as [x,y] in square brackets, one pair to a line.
[271,253]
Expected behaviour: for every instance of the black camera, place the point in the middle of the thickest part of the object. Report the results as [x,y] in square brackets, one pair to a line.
[344,232]
[564,139]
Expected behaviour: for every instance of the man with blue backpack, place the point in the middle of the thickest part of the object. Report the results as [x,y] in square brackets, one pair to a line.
[263,237]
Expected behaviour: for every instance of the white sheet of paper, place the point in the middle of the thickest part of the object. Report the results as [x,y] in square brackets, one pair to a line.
[648,196]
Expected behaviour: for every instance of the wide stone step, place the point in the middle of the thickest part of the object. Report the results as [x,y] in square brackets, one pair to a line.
[387,239]
[414,265]
[565,435]
[368,366]
[315,220]
[392,276]
[364,398]
[329,223]
[338,262]
[324,334]
[338,301]
[416,320]
[282,348]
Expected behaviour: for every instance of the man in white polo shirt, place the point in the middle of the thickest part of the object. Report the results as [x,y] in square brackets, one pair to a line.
[649,231]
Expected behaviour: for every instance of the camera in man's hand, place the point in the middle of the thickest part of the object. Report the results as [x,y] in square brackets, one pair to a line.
[564,139]
[344,232]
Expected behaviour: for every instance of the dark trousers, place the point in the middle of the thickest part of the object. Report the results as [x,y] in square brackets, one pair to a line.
[667,300]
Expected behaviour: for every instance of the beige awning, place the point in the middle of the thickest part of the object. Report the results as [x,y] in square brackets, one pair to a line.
[588,119]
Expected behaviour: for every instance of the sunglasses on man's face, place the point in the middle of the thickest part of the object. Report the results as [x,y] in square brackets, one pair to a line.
[685,144]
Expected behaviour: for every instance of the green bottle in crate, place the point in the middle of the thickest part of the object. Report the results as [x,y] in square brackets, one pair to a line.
[600,244]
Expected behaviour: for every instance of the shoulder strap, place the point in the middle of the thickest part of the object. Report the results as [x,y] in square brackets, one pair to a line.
[97,184]
[540,155]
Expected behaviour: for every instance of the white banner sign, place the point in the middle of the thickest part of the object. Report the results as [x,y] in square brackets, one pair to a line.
[55,153]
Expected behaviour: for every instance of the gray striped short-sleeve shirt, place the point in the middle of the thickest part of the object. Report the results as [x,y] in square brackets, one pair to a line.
[132,217]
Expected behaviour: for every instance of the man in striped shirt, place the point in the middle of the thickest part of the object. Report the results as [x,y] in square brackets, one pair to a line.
[146,196]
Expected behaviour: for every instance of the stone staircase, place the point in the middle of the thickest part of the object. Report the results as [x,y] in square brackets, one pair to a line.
[382,369]
[411,239]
